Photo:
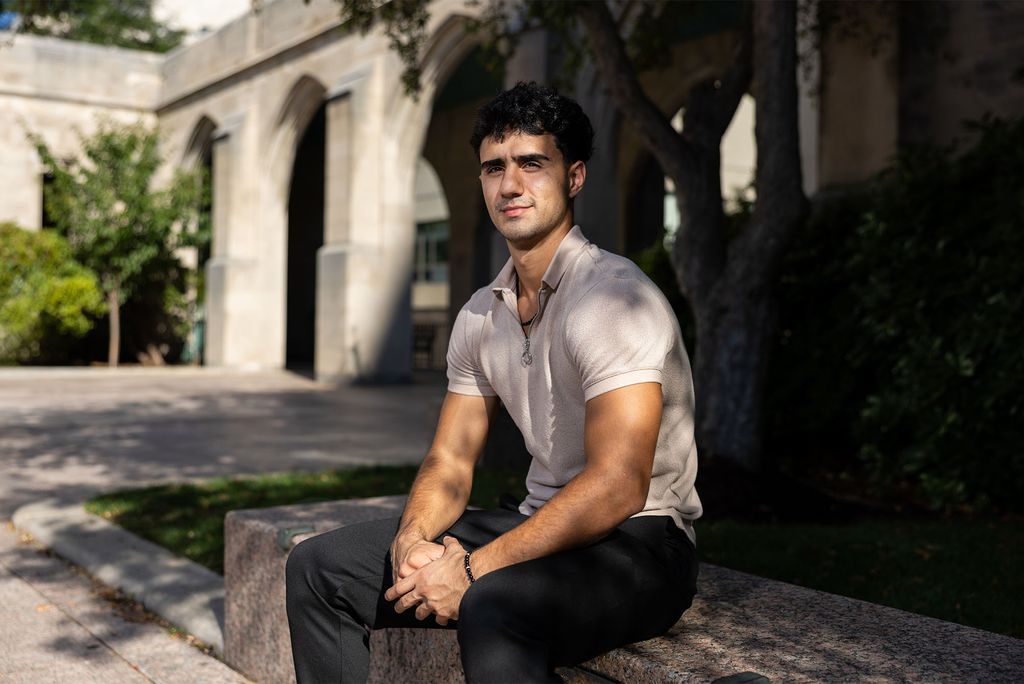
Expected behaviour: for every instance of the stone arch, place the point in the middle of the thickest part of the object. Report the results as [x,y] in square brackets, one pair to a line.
[388,345]
[298,109]
[198,155]
[200,143]
[301,103]
[448,48]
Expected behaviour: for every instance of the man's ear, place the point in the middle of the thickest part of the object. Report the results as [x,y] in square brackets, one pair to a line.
[577,177]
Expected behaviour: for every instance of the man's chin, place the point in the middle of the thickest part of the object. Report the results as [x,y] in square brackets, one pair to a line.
[519,233]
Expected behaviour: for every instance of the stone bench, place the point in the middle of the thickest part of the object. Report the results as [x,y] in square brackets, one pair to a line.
[738,623]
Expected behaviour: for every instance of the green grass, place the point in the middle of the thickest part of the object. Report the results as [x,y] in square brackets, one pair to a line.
[965,571]
[189,518]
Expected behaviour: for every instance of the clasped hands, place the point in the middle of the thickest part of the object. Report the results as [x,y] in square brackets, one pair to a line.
[430,577]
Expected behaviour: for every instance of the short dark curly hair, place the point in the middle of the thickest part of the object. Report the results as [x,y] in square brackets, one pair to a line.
[536,109]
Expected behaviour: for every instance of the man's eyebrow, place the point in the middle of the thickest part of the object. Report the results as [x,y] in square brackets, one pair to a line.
[537,156]
[521,159]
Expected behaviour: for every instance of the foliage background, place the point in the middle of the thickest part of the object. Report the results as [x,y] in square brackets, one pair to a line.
[128,232]
[121,23]
[47,299]
[896,370]
[901,328]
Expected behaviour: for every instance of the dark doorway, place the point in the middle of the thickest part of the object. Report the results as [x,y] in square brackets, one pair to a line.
[305,237]
[194,350]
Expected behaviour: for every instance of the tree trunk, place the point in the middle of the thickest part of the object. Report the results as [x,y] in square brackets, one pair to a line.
[736,320]
[728,285]
[114,312]
[735,333]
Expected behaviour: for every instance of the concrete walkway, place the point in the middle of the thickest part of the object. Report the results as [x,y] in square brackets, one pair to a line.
[56,626]
[70,433]
[67,434]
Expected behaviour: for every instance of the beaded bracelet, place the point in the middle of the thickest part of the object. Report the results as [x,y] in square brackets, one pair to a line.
[469,570]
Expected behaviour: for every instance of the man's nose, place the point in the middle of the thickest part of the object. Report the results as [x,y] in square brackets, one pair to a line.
[511,183]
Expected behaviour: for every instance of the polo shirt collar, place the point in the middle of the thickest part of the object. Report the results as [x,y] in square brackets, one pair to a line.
[565,255]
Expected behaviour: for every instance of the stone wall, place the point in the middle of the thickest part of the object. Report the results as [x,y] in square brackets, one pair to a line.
[58,89]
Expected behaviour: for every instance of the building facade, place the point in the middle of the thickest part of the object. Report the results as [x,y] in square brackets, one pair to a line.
[347,216]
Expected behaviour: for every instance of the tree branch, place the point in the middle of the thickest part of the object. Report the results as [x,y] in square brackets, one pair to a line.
[712,104]
[611,60]
[780,204]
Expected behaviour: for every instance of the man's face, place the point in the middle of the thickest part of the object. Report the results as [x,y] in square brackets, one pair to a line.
[527,185]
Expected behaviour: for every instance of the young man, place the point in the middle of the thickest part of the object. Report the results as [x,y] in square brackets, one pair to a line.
[586,354]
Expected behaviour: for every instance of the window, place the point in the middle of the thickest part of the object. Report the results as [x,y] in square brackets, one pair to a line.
[430,264]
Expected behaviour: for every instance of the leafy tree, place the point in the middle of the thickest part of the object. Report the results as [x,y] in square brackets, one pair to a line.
[44,293]
[116,223]
[124,23]
[728,280]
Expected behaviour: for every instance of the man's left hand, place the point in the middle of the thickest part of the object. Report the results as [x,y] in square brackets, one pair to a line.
[436,588]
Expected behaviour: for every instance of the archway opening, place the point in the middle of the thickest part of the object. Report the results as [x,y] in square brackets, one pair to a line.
[305,238]
[198,157]
[430,286]
[194,351]
[453,233]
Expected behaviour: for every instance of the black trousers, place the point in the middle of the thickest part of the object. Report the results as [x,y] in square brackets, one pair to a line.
[515,624]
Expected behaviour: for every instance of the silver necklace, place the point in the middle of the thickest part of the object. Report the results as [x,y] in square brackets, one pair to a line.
[527,357]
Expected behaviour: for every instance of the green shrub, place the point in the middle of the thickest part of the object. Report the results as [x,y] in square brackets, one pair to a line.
[942,312]
[901,326]
[45,295]
[817,380]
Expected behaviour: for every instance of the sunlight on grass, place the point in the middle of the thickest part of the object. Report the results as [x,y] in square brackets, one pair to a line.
[189,518]
[965,571]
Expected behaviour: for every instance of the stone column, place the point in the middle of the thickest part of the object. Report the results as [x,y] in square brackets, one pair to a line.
[332,352]
[227,271]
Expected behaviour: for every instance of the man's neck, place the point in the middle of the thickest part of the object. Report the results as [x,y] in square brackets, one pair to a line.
[532,260]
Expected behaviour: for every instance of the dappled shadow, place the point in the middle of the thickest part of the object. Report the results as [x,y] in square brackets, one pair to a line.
[744,623]
[72,436]
[177,589]
[71,626]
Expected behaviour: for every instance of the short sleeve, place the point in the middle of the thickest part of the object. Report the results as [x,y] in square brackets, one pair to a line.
[465,376]
[620,333]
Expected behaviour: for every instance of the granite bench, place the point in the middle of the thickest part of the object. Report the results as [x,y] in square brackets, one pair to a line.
[738,624]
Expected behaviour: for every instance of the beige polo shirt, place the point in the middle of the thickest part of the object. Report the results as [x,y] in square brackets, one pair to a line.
[601,325]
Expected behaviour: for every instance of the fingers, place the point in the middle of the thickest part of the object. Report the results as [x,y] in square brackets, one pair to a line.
[452,545]
[400,588]
[408,601]
[441,620]
[418,556]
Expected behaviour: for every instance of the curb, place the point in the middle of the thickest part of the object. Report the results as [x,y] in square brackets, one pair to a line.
[179,590]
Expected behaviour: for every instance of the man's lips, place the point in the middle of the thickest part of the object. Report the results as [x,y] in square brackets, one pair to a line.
[513,211]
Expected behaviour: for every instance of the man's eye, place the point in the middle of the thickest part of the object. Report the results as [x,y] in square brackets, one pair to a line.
[531,165]
[493,170]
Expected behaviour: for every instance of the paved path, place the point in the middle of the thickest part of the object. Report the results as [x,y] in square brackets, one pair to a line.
[70,433]
[56,627]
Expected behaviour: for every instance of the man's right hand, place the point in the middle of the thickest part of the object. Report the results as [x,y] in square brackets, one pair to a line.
[410,554]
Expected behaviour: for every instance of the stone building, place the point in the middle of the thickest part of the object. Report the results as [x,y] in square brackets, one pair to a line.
[343,209]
